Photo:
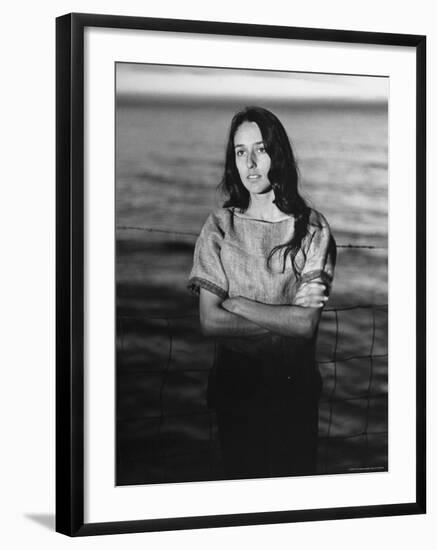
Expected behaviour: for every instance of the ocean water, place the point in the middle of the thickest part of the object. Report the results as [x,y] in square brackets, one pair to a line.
[169,161]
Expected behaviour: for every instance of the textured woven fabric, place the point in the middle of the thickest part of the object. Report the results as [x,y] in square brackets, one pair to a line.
[231,253]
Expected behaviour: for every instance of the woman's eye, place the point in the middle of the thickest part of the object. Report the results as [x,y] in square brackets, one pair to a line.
[261,149]
[240,153]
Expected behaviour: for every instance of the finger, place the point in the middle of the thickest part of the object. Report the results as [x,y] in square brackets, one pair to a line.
[312,283]
[312,290]
[312,296]
[310,287]
[316,296]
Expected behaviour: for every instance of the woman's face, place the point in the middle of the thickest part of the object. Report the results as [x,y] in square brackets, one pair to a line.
[253,162]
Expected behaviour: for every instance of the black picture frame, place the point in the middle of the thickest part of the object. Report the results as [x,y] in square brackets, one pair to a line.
[70,488]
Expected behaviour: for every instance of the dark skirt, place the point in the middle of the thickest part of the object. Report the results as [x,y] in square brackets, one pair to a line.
[265,392]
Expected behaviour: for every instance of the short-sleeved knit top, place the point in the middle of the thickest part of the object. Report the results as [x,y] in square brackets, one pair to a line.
[232,250]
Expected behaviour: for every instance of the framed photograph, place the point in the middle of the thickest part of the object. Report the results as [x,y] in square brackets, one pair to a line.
[240,274]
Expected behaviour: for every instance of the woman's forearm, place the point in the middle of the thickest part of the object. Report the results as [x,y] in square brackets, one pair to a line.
[287,320]
[219,322]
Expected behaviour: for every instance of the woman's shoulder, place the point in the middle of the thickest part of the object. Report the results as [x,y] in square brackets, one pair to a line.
[218,220]
[318,220]
[222,214]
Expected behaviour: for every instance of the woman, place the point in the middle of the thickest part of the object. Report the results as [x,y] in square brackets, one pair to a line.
[263,267]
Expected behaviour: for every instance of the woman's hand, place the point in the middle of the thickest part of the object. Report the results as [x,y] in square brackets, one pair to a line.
[311,294]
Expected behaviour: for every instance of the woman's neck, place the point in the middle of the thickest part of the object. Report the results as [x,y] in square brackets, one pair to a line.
[262,207]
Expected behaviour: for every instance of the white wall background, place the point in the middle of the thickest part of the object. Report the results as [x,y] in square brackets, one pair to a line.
[27,302]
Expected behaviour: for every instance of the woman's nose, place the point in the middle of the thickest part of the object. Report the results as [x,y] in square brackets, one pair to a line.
[251,162]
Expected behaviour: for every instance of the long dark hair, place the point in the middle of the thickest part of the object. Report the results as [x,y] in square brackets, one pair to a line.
[283,176]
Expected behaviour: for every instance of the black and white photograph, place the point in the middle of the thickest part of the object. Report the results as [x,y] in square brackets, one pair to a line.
[251,271]
[217,292]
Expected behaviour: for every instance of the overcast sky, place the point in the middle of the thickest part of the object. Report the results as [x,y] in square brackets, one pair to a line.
[184,83]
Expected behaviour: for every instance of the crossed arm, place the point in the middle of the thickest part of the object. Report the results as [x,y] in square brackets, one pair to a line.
[243,317]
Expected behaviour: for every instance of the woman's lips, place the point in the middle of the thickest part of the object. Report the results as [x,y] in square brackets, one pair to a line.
[253,176]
